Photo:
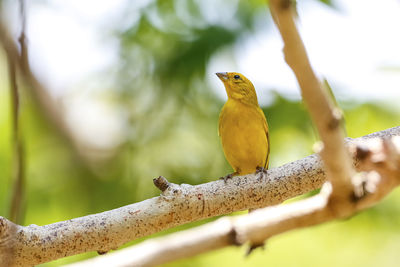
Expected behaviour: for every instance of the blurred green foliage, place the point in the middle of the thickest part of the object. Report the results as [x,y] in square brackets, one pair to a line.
[172,117]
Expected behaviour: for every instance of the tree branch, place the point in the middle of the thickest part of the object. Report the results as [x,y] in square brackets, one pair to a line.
[47,105]
[336,200]
[323,112]
[381,155]
[177,205]
[17,197]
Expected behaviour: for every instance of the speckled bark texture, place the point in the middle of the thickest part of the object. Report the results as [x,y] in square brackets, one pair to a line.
[178,204]
[381,156]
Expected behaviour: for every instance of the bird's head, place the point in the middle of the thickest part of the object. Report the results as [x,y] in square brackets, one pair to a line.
[238,87]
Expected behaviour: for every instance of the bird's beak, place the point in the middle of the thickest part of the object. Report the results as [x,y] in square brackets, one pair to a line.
[223,76]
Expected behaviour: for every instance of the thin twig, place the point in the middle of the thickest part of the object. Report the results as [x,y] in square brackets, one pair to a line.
[40,93]
[22,37]
[17,198]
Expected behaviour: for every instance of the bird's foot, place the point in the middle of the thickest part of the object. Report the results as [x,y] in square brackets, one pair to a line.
[261,171]
[229,176]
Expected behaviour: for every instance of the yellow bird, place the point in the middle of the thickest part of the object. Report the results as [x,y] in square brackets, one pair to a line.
[243,127]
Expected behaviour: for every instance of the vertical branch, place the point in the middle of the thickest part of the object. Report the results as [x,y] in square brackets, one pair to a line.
[22,37]
[325,116]
[17,198]
[16,213]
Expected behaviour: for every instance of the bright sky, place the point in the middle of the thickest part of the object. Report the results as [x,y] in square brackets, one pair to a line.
[355,46]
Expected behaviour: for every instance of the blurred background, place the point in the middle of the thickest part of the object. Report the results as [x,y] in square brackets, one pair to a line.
[130,94]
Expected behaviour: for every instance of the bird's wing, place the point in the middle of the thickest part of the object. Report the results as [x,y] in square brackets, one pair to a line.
[220,123]
[266,135]
[221,120]
[267,160]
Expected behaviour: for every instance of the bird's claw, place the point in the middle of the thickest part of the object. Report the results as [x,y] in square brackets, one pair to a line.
[261,171]
[226,177]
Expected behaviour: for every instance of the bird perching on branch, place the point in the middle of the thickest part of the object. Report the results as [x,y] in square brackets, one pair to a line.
[243,127]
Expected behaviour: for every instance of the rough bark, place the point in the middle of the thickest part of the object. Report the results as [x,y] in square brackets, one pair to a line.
[177,205]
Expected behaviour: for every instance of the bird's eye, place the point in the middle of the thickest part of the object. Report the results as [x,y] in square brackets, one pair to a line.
[236,77]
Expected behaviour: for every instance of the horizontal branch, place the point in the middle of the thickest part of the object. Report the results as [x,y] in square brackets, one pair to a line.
[177,205]
[381,156]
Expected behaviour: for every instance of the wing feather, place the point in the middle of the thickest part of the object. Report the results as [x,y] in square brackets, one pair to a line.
[266,135]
